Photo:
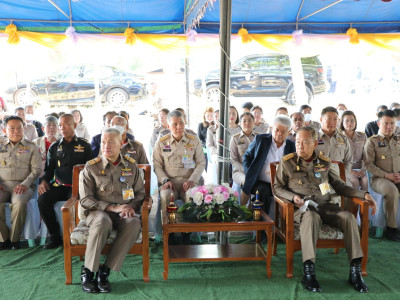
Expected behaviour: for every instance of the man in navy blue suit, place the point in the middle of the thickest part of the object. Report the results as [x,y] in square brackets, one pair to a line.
[264,149]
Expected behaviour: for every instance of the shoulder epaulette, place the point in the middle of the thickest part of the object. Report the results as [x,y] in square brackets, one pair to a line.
[127,157]
[83,139]
[190,136]
[94,161]
[165,137]
[236,135]
[323,157]
[373,136]
[360,132]
[288,156]
[139,143]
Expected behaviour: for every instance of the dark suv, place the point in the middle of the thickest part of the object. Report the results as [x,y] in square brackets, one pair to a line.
[266,75]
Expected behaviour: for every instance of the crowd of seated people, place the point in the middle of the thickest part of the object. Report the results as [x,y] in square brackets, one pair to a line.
[181,157]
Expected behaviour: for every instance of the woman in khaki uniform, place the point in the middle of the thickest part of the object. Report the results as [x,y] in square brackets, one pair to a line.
[357,139]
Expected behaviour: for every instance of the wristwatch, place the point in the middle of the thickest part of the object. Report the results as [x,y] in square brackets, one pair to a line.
[165,181]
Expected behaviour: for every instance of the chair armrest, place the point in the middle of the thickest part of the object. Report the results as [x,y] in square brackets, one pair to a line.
[69,217]
[67,207]
[282,202]
[359,201]
[147,204]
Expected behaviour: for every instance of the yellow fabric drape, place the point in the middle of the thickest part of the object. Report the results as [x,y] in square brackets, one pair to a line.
[177,43]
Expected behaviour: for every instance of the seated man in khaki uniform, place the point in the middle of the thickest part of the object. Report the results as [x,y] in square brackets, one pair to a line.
[20,166]
[112,192]
[382,160]
[306,173]
[178,160]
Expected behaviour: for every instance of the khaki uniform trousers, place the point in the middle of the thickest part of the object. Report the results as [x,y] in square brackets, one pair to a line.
[165,195]
[332,215]
[100,225]
[18,209]
[390,192]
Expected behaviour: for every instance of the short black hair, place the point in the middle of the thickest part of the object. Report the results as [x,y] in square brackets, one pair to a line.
[397,111]
[329,109]
[393,105]
[18,108]
[257,107]
[10,118]
[384,107]
[304,106]
[246,114]
[109,113]
[282,108]
[387,113]
[247,105]
[348,113]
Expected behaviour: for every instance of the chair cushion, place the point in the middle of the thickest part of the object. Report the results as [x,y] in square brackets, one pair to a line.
[81,233]
[325,233]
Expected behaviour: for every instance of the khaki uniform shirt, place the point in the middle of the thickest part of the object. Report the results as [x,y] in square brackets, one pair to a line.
[211,142]
[262,128]
[336,147]
[30,132]
[158,131]
[184,159]
[20,162]
[295,176]
[357,147]
[101,184]
[382,155]
[135,150]
[238,146]
[314,124]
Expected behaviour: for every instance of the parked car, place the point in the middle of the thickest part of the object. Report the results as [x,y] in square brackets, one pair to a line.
[266,75]
[77,84]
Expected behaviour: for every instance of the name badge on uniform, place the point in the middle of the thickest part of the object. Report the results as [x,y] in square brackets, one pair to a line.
[127,194]
[167,148]
[126,174]
[132,151]
[79,148]
[320,142]
[324,188]
[188,162]
[381,144]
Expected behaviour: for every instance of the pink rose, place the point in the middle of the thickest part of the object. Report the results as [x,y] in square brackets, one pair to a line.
[236,194]
[224,189]
[217,190]
[208,199]
[226,195]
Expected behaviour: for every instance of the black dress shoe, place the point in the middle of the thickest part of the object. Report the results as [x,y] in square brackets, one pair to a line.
[392,234]
[103,284]
[15,245]
[355,277]
[5,245]
[89,285]
[53,243]
[309,281]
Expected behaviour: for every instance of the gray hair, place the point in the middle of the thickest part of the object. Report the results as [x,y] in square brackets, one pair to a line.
[310,130]
[111,130]
[283,120]
[51,119]
[174,114]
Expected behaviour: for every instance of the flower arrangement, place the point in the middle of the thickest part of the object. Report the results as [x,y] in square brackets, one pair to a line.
[213,203]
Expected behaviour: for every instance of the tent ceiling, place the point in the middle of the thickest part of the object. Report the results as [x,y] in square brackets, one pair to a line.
[161,16]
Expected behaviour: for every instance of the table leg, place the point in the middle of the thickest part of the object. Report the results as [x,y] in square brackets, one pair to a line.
[269,250]
[165,253]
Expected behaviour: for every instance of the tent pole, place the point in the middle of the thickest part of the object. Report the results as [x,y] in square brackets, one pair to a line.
[225,41]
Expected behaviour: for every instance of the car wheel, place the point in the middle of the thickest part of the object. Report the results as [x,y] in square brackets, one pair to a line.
[22,98]
[291,97]
[117,97]
[213,94]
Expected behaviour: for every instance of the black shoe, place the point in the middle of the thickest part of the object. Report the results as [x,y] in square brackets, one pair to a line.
[15,245]
[5,245]
[309,281]
[53,243]
[186,238]
[103,284]
[392,234]
[355,277]
[89,285]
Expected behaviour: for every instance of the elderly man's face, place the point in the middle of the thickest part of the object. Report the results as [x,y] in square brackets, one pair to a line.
[297,121]
[15,130]
[279,133]
[305,144]
[177,127]
[119,121]
[386,125]
[111,145]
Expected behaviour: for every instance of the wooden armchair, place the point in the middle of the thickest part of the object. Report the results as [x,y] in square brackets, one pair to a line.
[285,227]
[71,221]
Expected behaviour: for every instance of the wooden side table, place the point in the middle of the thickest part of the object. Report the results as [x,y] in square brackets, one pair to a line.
[230,252]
